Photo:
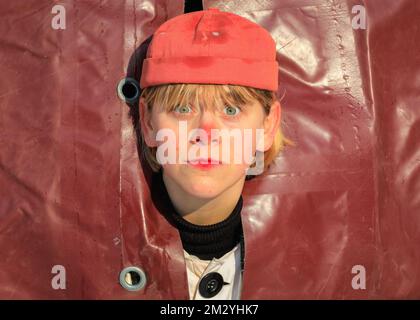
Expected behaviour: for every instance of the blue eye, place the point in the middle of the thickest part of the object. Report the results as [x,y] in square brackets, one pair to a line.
[183,109]
[231,110]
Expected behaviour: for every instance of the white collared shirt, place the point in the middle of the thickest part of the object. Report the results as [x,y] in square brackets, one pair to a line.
[229,266]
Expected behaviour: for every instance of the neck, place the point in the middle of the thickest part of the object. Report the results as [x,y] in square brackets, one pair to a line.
[203,211]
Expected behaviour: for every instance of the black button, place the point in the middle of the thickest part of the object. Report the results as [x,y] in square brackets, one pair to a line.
[211,284]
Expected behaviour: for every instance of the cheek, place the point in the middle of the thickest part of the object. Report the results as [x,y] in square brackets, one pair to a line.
[166,125]
[162,121]
[252,139]
[176,136]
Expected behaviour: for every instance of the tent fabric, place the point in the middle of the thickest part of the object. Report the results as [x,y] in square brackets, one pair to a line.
[345,197]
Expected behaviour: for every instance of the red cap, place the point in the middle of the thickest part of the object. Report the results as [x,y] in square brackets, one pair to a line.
[211,46]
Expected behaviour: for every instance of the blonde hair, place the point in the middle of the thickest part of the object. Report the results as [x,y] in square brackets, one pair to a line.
[171,95]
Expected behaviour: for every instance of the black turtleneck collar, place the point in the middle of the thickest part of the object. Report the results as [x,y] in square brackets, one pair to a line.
[205,242]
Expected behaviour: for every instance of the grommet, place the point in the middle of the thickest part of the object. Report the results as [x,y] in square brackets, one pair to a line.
[133,278]
[211,284]
[128,90]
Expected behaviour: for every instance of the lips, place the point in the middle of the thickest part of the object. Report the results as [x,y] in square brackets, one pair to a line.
[204,161]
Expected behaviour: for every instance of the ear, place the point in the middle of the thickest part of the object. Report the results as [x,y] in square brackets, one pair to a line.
[146,125]
[272,124]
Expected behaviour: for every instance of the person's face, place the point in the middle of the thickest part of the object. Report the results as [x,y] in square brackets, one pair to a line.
[230,155]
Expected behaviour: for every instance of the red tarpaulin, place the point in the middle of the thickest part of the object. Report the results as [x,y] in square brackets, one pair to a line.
[74,194]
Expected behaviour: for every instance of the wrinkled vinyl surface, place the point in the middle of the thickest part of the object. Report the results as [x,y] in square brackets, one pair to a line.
[73,192]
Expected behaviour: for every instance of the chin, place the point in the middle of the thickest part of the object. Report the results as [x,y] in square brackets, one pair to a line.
[205,184]
[204,187]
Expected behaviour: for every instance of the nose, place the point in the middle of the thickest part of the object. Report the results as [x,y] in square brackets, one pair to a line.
[202,133]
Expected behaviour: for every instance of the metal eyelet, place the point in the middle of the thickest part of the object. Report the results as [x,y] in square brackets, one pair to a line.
[128,90]
[133,278]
